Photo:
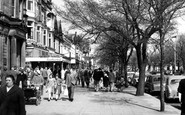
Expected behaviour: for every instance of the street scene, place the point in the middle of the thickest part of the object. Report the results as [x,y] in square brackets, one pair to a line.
[92,57]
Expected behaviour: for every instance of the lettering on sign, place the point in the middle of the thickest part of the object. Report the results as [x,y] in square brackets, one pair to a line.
[54,59]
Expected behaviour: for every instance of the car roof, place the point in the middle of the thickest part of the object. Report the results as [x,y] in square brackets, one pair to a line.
[176,77]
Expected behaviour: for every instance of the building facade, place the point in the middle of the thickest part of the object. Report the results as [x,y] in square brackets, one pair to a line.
[12,33]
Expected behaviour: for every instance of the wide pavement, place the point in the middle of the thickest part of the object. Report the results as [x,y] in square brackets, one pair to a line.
[88,102]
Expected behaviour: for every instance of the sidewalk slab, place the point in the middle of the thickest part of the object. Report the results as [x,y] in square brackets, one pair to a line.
[89,102]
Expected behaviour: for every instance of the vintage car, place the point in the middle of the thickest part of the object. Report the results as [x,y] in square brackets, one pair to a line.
[130,76]
[135,78]
[152,83]
[172,83]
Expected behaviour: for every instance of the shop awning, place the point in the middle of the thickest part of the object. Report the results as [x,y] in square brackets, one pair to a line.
[46,59]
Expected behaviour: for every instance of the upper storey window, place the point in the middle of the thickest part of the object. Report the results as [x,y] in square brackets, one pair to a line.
[13,12]
[30,5]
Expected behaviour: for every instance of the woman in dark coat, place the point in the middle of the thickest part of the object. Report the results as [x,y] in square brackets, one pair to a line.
[11,98]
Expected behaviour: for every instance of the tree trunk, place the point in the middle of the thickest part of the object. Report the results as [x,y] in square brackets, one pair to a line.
[141,83]
[141,65]
[125,74]
[162,71]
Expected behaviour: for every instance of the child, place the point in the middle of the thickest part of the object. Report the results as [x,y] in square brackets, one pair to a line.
[101,83]
[58,87]
[50,86]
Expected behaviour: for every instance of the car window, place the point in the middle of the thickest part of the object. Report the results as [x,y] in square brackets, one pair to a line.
[175,81]
[157,79]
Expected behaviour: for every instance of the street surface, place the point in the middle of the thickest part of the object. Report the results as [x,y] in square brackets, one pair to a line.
[88,102]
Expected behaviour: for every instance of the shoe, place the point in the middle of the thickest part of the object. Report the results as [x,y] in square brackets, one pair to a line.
[55,99]
[48,99]
[71,100]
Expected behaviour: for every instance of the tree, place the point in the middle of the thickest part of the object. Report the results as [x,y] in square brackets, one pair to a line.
[115,48]
[135,20]
[181,49]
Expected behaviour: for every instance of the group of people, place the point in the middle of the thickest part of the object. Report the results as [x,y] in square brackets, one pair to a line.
[14,81]
[102,79]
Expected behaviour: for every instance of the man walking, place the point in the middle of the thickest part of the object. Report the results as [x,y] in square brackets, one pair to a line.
[98,74]
[70,82]
[182,95]
[45,75]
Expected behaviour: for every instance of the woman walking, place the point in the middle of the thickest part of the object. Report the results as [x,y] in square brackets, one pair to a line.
[50,86]
[58,87]
[11,98]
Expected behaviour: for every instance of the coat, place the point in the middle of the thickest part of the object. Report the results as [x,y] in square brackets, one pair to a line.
[71,79]
[12,102]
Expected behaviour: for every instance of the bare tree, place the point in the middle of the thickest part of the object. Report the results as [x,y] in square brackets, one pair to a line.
[135,20]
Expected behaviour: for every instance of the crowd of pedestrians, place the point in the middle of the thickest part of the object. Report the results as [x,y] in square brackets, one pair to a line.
[55,82]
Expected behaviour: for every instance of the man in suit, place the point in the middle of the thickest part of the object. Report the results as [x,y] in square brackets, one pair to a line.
[11,98]
[70,82]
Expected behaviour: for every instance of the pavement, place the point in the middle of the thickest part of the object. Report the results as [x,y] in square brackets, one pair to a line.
[88,102]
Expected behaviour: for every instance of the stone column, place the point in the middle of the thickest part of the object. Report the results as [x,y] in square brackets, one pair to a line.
[23,53]
[13,51]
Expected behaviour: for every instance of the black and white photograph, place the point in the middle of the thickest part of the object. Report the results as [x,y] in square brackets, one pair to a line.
[92,57]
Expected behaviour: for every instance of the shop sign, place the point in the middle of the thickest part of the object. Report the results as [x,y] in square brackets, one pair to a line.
[54,59]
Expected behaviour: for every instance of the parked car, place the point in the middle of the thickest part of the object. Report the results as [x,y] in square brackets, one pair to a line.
[152,83]
[172,83]
[130,76]
[135,78]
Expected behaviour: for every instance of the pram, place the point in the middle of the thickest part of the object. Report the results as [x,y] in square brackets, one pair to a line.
[32,94]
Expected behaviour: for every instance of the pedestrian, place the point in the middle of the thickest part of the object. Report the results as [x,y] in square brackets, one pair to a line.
[13,72]
[81,75]
[11,98]
[3,76]
[87,77]
[70,82]
[58,87]
[106,80]
[111,80]
[30,73]
[21,79]
[97,75]
[38,81]
[50,86]
[182,95]
[45,75]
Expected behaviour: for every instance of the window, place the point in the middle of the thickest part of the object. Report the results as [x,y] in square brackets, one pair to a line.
[44,37]
[38,34]
[30,5]
[30,30]
[13,8]
[50,40]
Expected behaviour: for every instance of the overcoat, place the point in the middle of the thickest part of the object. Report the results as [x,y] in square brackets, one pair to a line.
[12,102]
